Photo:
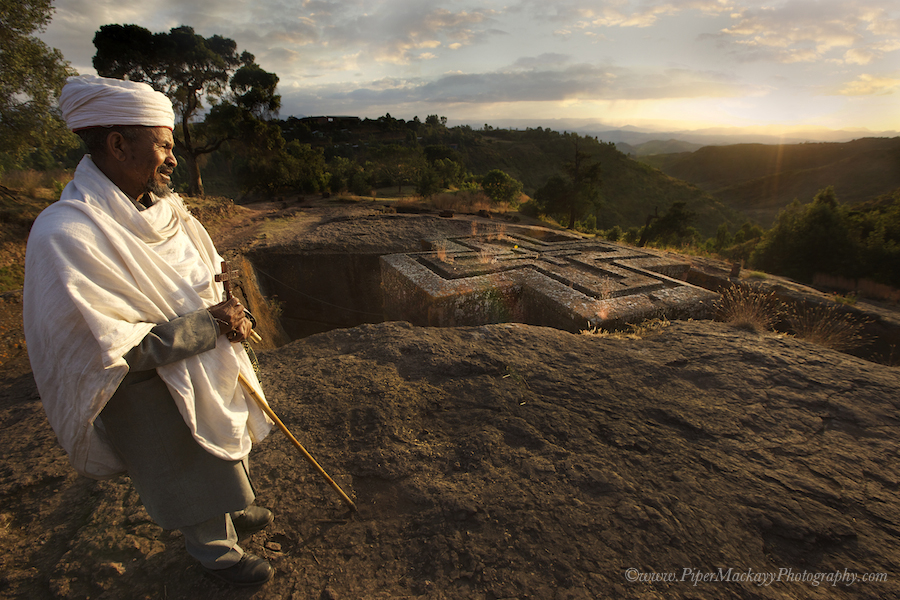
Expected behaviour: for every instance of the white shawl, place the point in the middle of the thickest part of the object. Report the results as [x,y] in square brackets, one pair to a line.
[94,287]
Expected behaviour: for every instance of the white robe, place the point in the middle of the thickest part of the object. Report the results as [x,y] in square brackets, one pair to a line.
[99,275]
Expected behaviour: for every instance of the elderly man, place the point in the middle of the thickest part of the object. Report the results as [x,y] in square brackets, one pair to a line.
[135,355]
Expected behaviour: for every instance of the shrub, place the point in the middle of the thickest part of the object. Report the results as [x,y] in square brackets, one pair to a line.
[749,309]
[632,234]
[826,326]
[529,209]
[587,225]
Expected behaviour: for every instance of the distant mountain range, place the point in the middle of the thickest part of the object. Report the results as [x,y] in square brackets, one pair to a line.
[713,136]
[654,147]
[760,180]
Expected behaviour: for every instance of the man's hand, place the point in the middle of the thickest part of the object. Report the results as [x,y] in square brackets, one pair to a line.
[232,322]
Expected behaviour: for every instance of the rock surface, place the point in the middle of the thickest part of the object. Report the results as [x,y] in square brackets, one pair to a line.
[510,461]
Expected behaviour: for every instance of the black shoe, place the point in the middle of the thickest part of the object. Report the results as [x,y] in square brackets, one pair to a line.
[251,520]
[250,570]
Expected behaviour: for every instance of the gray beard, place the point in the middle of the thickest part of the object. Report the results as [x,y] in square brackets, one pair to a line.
[159,188]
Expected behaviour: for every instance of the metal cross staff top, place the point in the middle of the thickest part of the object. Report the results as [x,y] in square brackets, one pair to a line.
[226,277]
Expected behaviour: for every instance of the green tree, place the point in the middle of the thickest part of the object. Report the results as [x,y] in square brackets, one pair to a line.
[575,194]
[500,187]
[31,78]
[809,239]
[397,164]
[273,165]
[672,227]
[449,172]
[723,238]
[748,232]
[191,69]
[553,198]
[428,183]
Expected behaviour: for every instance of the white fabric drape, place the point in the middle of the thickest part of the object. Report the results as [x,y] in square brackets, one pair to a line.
[94,287]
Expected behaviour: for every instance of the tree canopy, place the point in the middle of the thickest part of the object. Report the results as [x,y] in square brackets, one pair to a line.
[574,194]
[31,77]
[500,187]
[191,69]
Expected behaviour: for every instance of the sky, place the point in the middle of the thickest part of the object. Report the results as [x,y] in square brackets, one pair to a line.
[773,66]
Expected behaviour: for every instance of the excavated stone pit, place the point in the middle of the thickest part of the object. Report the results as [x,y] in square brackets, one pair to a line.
[317,292]
[527,275]
[346,270]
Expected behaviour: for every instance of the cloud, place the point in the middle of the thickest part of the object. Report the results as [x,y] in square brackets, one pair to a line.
[545,78]
[867,54]
[870,85]
[583,14]
[549,60]
[398,32]
[807,31]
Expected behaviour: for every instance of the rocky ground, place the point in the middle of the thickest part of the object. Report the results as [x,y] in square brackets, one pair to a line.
[509,461]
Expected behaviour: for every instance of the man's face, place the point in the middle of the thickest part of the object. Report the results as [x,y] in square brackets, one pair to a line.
[152,160]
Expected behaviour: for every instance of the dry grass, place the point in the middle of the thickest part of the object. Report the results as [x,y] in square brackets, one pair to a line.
[409,202]
[42,185]
[440,248]
[464,202]
[635,331]
[749,309]
[826,326]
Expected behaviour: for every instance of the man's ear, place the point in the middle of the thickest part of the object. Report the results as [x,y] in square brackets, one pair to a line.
[117,146]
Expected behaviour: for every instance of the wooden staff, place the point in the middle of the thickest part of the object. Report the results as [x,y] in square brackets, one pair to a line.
[268,410]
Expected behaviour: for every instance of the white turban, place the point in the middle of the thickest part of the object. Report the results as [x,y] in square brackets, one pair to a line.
[91,101]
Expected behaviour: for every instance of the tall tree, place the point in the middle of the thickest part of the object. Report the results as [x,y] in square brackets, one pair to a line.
[575,194]
[397,164]
[31,77]
[674,225]
[191,69]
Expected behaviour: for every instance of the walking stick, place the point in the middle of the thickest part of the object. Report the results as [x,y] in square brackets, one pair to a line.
[268,410]
[226,277]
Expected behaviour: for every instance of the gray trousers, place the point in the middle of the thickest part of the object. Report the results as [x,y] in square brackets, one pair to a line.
[213,542]
[181,485]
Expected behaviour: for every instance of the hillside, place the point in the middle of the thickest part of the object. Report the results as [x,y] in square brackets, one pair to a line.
[760,179]
[671,146]
[630,190]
